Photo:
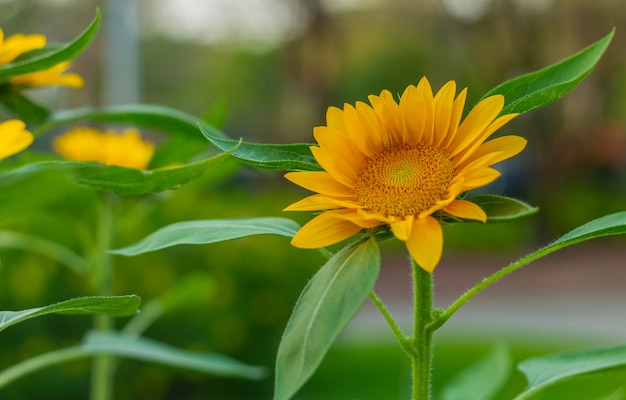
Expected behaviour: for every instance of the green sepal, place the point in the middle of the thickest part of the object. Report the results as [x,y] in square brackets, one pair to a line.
[41,60]
[116,306]
[501,208]
[293,157]
[546,85]
[327,303]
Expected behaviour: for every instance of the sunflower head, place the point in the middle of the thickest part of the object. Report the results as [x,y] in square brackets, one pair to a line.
[402,164]
[126,149]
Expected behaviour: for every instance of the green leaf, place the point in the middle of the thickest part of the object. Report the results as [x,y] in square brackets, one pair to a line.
[542,372]
[140,348]
[125,181]
[210,231]
[326,305]
[483,380]
[501,208]
[128,181]
[546,85]
[47,59]
[268,156]
[24,108]
[116,306]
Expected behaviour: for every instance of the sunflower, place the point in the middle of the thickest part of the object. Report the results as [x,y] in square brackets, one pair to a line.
[16,45]
[125,149]
[13,137]
[402,164]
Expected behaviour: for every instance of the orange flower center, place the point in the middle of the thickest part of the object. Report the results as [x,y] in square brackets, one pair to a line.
[404,179]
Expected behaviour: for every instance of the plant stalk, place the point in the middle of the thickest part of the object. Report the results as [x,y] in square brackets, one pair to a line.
[102,378]
[421,358]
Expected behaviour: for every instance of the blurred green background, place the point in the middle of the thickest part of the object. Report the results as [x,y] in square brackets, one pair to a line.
[273,67]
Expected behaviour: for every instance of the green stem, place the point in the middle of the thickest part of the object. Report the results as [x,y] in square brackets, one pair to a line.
[103,364]
[482,285]
[405,342]
[422,336]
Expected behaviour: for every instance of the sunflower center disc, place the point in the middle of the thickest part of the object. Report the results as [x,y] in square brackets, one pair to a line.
[404,179]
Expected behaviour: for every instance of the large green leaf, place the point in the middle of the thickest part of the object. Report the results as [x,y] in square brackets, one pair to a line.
[483,380]
[47,59]
[268,156]
[542,372]
[502,208]
[26,109]
[117,306]
[138,348]
[326,305]
[546,85]
[125,181]
[210,231]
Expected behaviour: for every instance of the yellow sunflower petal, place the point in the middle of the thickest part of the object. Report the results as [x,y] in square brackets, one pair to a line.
[320,182]
[416,105]
[357,133]
[321,202]
[443,104]
[402,227]
[479,177]
[455,120]
[339,145]
[334,118]
[466,210]
[13,137]
[426,243]
[373,129]
[480,139]
[505,147]
[476,122]
[338,168]
[324,230]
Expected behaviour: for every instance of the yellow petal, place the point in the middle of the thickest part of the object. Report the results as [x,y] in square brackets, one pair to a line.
[457,114]
[334,118]
[443,103]
[402,227]
[338,144]
[357,132]
[466,210]
[324,230]
[13,137]
[476,122]
[426,243]
[322,202]
[479,177]
[320,182]
[504,146]
[480,139]
[337,167]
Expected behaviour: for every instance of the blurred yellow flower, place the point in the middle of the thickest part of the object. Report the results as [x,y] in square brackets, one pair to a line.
[16,45]
[402,164]
[125,149]
[13,137]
